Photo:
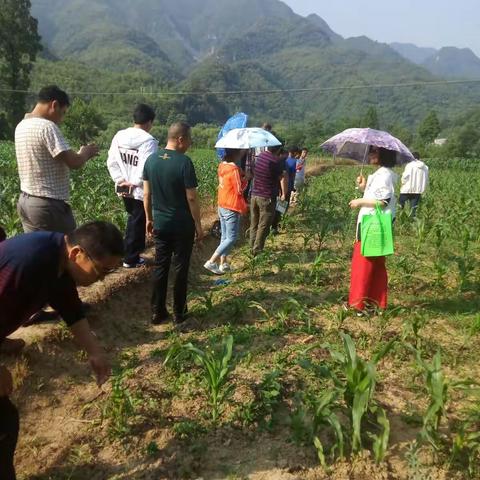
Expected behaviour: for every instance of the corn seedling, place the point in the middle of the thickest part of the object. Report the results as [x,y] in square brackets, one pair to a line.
[380,440]
[437,388]
[466,443]
[413,326]
[324,416]
[119,408]
[237,307]
[268,394]
[358,385]
[216,368]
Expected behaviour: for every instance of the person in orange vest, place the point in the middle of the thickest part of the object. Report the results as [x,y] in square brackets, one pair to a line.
[231,206]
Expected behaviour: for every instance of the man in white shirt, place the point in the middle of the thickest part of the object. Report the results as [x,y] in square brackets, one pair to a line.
[126,158]
[414,183]
[44,161]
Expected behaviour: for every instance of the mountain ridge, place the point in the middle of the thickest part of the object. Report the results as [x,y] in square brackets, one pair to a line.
[238,45]
[453,62]
[447,62]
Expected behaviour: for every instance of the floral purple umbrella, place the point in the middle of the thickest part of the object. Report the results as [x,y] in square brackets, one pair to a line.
[354,143]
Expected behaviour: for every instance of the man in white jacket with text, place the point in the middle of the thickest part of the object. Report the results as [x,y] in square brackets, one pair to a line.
[126,158]
[414,183]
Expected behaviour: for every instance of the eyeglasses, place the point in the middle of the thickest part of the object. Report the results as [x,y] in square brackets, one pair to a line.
[100,272]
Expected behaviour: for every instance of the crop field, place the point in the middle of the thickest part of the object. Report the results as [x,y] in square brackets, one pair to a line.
[92,190]
[274,379]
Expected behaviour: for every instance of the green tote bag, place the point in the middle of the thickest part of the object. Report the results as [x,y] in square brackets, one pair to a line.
[377,234]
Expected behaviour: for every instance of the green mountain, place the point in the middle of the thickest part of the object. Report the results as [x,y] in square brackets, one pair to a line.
[92,32]
[186,30]
[448,62]
[454,62]
[413,53]
[249,46]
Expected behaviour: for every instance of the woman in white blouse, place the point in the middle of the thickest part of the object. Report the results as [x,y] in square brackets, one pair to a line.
[368,283]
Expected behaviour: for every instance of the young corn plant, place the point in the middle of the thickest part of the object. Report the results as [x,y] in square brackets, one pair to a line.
[268,395]
[413,326]
[119,407]
[353,379]
[324,417]
[255,261]
[358,386]
[319,270]
[216,368]
[237,307]
[466,443]
[294,308]
[380,440]
[437,388]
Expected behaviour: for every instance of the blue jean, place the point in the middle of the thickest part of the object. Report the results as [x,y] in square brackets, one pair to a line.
[230,225]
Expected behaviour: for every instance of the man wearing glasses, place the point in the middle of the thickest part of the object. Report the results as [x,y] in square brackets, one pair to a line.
[45,267]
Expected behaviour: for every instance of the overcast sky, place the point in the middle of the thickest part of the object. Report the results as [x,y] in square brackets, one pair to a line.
[426,23]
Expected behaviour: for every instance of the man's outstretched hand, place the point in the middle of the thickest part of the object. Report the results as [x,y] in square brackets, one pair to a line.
[101,368]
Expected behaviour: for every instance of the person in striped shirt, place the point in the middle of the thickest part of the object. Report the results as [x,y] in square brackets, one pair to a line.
[268,178]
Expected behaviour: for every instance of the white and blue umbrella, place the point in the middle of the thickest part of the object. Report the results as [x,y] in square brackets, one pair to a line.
[246,138]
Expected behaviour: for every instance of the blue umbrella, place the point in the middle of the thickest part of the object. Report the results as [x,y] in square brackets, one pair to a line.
[239,120]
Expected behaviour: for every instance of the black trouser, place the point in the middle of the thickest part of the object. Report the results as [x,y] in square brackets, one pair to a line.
[9,425]
[179,245]
[135,231]
[413,198]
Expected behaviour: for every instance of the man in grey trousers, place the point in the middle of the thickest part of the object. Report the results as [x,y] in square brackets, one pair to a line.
[44,161]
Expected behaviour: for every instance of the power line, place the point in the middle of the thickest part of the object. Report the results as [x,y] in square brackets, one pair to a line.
[264,92]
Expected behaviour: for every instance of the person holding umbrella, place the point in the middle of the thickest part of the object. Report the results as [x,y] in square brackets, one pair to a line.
[369,281]
[231,206]
[267,173]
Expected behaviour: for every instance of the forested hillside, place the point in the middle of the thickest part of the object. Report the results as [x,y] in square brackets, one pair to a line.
[206,47]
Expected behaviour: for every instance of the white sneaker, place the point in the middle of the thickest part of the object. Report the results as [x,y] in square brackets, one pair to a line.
[213,267]
[225,268]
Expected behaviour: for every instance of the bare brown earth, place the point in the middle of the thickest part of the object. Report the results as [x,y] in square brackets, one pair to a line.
[62,434]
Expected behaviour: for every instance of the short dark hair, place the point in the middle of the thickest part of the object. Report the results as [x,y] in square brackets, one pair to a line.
[304,149]
[179,129]
[229,152]
[99,239]
[143,114]
[293,149]
[51,93]
[387,158]
[276,149]
[416,155]
[267,127]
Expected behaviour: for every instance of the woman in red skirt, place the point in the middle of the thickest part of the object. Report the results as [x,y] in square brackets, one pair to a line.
[368,283]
